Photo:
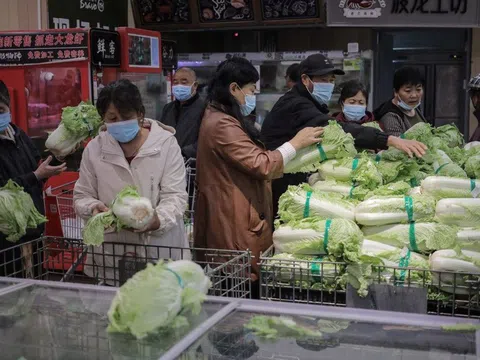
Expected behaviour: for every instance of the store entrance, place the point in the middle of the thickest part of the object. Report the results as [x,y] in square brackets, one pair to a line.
[443,61]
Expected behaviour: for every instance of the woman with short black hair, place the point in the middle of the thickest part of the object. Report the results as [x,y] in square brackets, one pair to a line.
[134,151]
[234,171]
[353,101]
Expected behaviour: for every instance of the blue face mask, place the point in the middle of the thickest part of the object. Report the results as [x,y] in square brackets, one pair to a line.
[124,131]
[250,104]
[322,92]
[354,112]
[5,120]
[182,92]
[407,107]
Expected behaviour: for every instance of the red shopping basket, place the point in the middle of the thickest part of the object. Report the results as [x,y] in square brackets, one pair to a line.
[62,221]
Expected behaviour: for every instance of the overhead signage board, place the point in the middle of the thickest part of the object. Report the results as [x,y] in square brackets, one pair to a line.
[105,48]
[403,13]
[105,14]
[40,48]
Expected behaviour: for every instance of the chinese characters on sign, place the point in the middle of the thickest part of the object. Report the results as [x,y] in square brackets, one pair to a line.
[105,47]
[36,48]
[429,6]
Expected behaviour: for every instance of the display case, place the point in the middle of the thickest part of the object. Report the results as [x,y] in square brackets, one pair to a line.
[272,68]
[44,320]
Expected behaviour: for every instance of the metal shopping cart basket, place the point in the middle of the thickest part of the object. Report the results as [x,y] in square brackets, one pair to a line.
[391,288]
[111,264]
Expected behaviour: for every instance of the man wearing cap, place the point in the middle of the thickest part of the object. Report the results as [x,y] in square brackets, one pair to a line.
[306,105]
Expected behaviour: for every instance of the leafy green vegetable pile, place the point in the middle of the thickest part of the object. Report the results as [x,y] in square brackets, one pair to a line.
[17,212]
[385,210]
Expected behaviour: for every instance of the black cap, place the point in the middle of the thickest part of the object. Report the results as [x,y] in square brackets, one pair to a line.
[4,95]
[318,65]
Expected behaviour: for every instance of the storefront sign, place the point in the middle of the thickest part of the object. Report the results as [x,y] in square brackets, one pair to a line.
[106,14]
[169,54]
[38,48]
[154,12]
[105,48]
[397,13]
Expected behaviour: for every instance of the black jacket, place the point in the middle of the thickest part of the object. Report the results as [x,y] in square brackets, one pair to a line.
[18,161]
[186,119]
[297,110]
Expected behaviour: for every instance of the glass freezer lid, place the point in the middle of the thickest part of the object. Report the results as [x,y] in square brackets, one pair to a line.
[340,339]
[65,322]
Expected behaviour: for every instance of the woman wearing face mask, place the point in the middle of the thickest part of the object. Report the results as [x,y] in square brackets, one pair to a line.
[402,112]
[19,161]
[353,100]
[135,151]
[234,200]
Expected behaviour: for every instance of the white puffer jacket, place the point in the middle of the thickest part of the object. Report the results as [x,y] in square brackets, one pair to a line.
[158,171]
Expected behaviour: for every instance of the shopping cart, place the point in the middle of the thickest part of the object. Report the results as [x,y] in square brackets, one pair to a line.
[391,288]
[112,264]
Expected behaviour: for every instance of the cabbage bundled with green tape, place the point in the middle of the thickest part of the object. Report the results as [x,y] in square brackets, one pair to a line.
[394,257]
[450,135]
[394,210]
[444,166]
[302,201]
[17,212]
[459,212]
[443,187]
[419,237]
[356,171]
[335,144]
[78,123]
[340,239]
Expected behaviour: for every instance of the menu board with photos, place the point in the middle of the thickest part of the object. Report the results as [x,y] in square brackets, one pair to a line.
[163,11]
[289,9]
[225,10]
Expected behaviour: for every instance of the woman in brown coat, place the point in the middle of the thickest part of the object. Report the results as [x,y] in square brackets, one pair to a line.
[234,171]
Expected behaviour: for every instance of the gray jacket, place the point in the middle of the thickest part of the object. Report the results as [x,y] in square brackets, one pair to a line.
[392,119]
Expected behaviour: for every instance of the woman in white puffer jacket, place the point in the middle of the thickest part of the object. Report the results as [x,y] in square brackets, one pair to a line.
[140,152]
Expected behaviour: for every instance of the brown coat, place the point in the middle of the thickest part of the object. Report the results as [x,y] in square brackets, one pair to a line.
[234,200]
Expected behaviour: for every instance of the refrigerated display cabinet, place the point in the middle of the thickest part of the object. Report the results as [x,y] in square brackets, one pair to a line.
[44,320]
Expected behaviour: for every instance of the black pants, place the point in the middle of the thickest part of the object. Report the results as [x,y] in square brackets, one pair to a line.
[279,186]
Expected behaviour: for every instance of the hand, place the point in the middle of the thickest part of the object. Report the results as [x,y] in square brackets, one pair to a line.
[153,225]
[307,137]
[410,147]
[45,170]
[99,208]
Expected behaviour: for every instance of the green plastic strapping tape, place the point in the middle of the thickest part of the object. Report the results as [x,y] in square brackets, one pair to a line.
[440,168]
[306,209]
[473,184]
[323,156]
[328,223]
[402,136]
[179,278]
[404,261]
[378,158]
[411,237]
[315,268]
[409,208]
[413,182]
[354,164]
[351,191]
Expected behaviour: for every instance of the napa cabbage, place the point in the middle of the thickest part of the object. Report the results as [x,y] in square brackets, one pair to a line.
[459,212]
[17,212]
[450,135]
[335,144]
[442,187]
[472,167]
[158,298]
[444,166]
[78,123]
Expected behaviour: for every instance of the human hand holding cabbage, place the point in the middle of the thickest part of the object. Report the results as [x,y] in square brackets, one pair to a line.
[306,137]
[410,147]
[129,211]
